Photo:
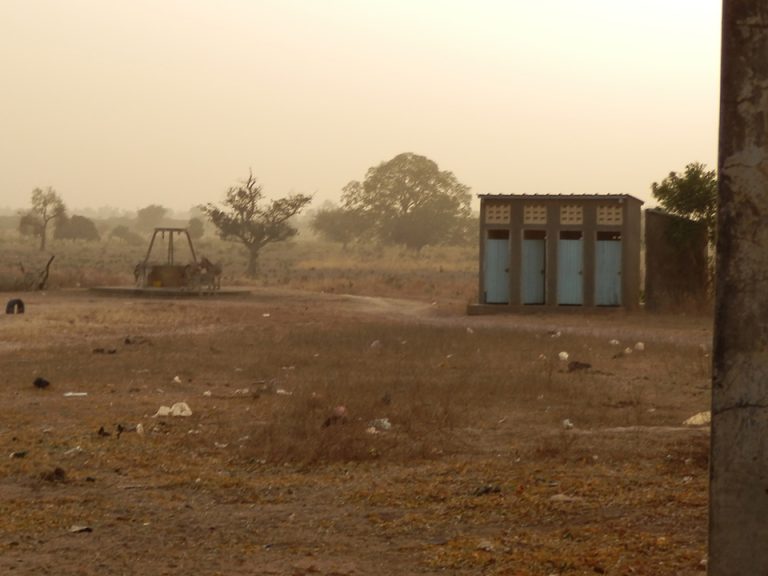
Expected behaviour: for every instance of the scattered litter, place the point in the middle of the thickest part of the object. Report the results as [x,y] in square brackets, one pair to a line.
[289,367]
[540,397]
[41,383]
[379,424]
[176,380]
[178,409]
[485,545]
[78,529]
[266,315]
[563,356]
[55,475]
[339,414]
[469,330]
[220,445]
[555,333]
[700,419]
[640,346]
[14,306]
[75,394]
[567,424]
[140,429]
[104,351]
[614,342]
[376,344]
[486,489]
[72,451]
[241,392]
[565,498]
[207,393]
[627,351]
[542,356]
[18,454]
[575,365]
[283,392]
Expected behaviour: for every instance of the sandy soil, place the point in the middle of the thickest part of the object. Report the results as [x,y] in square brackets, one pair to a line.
[82,491]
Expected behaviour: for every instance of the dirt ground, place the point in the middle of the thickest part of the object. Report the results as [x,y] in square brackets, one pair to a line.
[342,435]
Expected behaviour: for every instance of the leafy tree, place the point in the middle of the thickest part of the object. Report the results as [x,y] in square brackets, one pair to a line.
[195,228]
[339,225]
[151,216]
[126,235]
[692,195]
[244,219]
[30,225]
[76,228]
[47,206]
[409,200]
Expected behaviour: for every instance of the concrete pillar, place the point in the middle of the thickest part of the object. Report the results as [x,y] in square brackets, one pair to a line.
[738,531]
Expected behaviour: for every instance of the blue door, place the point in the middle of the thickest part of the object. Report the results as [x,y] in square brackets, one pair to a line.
[497,268]
[570,285]
[608,272]
[533,269]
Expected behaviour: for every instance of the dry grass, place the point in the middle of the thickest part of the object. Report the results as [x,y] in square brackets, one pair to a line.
[255,480]
[434,273]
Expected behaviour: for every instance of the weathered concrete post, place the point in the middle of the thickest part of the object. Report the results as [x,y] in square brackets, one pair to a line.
[738,529]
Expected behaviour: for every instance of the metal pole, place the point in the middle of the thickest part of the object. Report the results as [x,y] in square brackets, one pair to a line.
[738,524]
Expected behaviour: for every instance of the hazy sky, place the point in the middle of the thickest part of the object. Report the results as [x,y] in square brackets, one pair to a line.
[133,102]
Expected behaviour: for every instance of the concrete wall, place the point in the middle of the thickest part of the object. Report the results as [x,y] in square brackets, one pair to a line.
[676,264]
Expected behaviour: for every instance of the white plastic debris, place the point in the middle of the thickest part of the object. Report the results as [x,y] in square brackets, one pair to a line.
[178,409]
[75,394]
[207,393]
[140,429]
[266,315]
[640,346]
[176,380]
[627,351]
[700,419]
[614,342]
[542,356]
[563,356]
[283,392]
[375,344]
[241,392]
[381,424]
[567,424]
[555,334]
[565,498]
[469,330]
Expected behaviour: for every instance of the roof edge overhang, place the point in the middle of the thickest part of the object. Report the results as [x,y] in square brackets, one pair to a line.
[559,197]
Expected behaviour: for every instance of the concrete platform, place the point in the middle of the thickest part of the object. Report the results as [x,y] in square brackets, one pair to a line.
[134,292]
[493,309]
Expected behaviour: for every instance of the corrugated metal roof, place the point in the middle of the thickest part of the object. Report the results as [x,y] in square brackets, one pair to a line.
[558,197]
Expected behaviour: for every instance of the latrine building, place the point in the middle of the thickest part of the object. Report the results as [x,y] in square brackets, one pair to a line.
[559,251]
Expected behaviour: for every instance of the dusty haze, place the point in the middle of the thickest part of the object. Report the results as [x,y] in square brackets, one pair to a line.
[157,101]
